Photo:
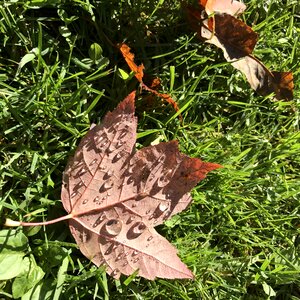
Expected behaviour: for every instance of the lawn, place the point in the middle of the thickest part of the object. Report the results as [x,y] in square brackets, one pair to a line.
[61,71]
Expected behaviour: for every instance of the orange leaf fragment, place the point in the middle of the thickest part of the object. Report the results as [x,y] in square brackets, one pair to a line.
[139,74]
[129,58]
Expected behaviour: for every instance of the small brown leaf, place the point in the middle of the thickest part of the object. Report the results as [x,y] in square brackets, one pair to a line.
[129,58]
[139,74]
[230,7]
[237,40]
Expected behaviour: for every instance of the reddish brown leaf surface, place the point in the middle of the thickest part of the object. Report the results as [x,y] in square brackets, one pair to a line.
[116,196]
[237,40]
[139,74]
[230,7]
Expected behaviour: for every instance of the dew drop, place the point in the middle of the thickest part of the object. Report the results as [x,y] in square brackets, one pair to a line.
[130,219]
[99,220]
[106,186]
[135,253]
[113,227]
[117,157]
[138,228]
[119,257]
[73,194]
[164,179]
[102,168]
[162,158]
[125,264]
[99,138]
[108,174]
[119,144]
[82,171]
[112,128]
[115,246]
[130,180]
[167,214]
[130,169]
[109,150]
[163,206]
[151,217]
[104,143]
[96,199]
[155,221]
[115,272]
[93,161]
[136,260]
[123,134]
[85,201]
[126,253]
[149,238]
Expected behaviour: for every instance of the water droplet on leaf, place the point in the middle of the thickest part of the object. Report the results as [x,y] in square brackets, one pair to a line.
[123,134]
[130,219]
[136,230]
[117,157]
[115,272]
[93,161]
[82,171]
[119,144]
[108,174]
[106,186]
[113,227]
[99,220]
[163,206]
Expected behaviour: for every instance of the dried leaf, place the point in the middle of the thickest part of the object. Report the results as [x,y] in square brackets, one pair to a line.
[129,58]
[138,70]
[230,7]
[116,196]
[237,40]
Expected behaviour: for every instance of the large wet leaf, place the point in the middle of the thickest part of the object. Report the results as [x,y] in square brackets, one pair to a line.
[115,197]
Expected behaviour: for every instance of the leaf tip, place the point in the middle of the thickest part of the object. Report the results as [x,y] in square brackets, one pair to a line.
[127,105]
[11,223]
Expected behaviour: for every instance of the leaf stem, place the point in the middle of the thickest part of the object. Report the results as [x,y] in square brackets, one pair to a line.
[12,223]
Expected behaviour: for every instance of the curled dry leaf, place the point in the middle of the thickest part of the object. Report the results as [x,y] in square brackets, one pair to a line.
[129,58]
[230,7]
[237,40]
[139,74]
[115,196]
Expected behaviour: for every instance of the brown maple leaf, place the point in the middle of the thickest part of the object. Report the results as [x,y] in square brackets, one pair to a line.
[115,196]
[237,40]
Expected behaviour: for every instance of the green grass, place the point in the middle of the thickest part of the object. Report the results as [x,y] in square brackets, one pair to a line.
[240,236]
